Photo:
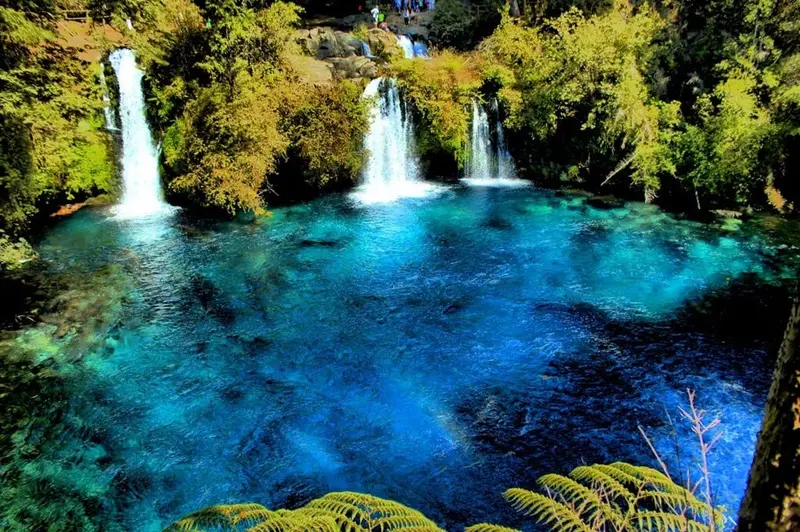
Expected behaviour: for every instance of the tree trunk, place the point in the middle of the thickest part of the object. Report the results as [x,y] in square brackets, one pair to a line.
[772,501]
[514,9]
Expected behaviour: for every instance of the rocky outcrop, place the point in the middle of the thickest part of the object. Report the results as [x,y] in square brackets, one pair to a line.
[344,54]
[324,43]
[382,43]
[353,67]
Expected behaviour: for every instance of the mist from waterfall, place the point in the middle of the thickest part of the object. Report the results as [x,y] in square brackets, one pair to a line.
[392,169]
[141,184]
[490,163]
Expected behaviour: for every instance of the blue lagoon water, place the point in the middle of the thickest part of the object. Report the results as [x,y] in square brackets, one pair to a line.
[434,351]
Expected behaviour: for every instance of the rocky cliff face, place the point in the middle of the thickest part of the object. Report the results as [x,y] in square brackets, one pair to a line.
[344,53]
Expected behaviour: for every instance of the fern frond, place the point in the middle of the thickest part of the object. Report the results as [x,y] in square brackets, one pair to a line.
[252,516]
[561,517]
[620,476]
[598,475]
[675,502]
[408,521]
[582,499]
[668,522]
[221,516]
[358,512]
[488,527]
[343,508]
[628,469]
[342,522]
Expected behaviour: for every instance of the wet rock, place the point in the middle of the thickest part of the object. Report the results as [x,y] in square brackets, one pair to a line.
[382,43]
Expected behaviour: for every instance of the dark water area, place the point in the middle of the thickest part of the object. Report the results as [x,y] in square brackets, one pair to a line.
[434,351]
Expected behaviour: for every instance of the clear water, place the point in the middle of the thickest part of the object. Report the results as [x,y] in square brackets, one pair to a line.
[433,351]
[141,183]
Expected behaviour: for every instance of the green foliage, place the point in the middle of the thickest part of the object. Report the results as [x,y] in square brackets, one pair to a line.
[234,113]
[229,145]
[618,496]
[326,129]
[461,25]
[14,254]
[354,512]
[488,527]
[587,75]
[53,146]
[441,91]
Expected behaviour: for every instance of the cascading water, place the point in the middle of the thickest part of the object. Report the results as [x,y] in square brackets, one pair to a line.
[392,170]
[488,165]
[480,152]
[366,51]
[505,164]
[407,46]
[412,48]
[141,194]
[108,110]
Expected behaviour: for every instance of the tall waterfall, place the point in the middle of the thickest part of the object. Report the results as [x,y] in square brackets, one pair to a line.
[490,163]
[480,149]
[141,192]
[505,164]
[392,170]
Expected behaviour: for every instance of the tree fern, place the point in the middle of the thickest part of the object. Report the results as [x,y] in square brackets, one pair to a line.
[546,510]
[615,497]
[618,497]
[335,512]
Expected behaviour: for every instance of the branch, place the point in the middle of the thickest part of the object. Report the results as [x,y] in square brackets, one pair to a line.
[620,167]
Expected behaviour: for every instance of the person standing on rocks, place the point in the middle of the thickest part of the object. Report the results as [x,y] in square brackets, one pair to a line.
[375,11]
[406,15]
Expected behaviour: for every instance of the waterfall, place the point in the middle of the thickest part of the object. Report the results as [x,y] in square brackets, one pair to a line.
[108,110]
[489,165]
[406,44]
[392,170]
[480,149]
[505,164]
[141,186]
[412,48]
[366,51]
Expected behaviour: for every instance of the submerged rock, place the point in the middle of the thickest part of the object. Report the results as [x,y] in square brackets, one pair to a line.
[606,202]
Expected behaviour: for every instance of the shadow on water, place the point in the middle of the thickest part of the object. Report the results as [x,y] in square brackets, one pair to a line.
[590,403]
